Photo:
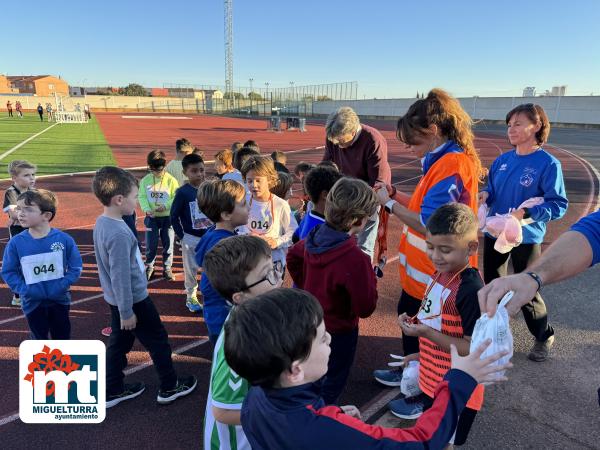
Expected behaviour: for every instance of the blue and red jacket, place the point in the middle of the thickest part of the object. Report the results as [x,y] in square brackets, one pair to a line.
[297,418]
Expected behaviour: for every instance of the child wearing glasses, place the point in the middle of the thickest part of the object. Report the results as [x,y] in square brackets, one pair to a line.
[246,261]
[330,265]
[448,311]
[224,203]
[270,216]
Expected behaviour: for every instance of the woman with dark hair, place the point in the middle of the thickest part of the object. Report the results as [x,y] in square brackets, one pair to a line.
[438,131]
[527,171]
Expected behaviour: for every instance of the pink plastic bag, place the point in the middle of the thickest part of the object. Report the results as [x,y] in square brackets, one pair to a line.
[506,228]
[511,236]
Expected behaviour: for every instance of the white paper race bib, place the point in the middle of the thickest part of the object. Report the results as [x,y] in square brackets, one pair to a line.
[431,311]
[157,197]
[42,267]
[199,219]
[260,219]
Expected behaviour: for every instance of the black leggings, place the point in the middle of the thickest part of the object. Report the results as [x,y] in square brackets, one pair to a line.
[495,266]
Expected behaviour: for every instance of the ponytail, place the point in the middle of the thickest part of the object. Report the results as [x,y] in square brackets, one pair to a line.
[441,109]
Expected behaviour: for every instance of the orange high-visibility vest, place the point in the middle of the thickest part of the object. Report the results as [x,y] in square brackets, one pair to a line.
[415,267]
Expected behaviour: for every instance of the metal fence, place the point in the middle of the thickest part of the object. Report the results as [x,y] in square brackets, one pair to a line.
[241,107]
[347,90]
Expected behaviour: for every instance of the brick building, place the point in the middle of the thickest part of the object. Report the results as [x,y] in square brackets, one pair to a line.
[41,85]
[6,87]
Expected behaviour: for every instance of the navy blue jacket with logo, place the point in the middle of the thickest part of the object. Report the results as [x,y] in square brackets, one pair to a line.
[296,418]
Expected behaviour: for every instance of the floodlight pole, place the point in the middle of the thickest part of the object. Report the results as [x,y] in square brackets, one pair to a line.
[229,50]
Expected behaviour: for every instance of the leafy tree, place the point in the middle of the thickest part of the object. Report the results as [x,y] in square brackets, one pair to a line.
[236,95]
[323,98]
[254,96]
[133,90]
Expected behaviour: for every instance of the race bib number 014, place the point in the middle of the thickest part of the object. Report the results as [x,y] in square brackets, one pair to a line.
[42,267]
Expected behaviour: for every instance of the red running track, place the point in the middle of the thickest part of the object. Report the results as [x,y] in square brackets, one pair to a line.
[141,423]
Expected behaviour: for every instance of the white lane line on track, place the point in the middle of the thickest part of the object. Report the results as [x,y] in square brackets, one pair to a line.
[92,172]
[158,117]
[591,172]
[63,229]
[408,179]
[500,151]
[179,350]
[18,146]
[378,403]
[76,302]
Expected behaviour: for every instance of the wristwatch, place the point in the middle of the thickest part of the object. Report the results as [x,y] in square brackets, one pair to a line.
[526,214]
[390,205]
[537,279]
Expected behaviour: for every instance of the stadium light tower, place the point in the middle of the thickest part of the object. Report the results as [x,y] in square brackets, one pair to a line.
[229,49]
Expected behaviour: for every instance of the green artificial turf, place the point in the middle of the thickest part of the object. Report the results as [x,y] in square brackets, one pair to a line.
[63,149]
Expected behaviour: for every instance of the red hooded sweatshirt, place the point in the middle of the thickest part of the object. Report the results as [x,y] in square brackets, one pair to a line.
[330,265]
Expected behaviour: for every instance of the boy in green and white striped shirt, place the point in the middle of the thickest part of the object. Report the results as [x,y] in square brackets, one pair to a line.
[239,268]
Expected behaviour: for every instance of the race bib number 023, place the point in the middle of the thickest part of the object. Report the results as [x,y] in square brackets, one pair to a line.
[42,267]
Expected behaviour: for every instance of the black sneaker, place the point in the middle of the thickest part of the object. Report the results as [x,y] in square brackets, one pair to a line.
[185,386]
[132,390]
[168,274]
[149,272]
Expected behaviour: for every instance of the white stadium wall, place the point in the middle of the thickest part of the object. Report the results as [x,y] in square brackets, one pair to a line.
[567,110]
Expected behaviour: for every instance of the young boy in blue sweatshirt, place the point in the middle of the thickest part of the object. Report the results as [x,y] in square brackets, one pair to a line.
[224,203]
[278,342]
[317,184]
[40,264]
[190,224]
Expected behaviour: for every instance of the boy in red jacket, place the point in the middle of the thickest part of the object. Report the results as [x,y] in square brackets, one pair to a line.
[330,265]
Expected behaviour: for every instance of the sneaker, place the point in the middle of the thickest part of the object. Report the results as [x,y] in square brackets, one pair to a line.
[388,377]
[106,331]
[193,304]
[540,350]
[185,386]
[132,390]
[16,301]
[149,272]
[407,408]
[168,274]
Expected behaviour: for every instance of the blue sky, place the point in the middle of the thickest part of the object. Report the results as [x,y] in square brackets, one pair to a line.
[392,48]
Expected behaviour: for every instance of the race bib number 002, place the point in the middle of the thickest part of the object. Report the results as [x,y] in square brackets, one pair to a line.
[42,267]
[158,197]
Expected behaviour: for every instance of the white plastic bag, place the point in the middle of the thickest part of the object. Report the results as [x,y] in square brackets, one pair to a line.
[409,385]
[482,213]
[498,330]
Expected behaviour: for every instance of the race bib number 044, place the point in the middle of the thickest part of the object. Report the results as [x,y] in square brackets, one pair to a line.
[42,267]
